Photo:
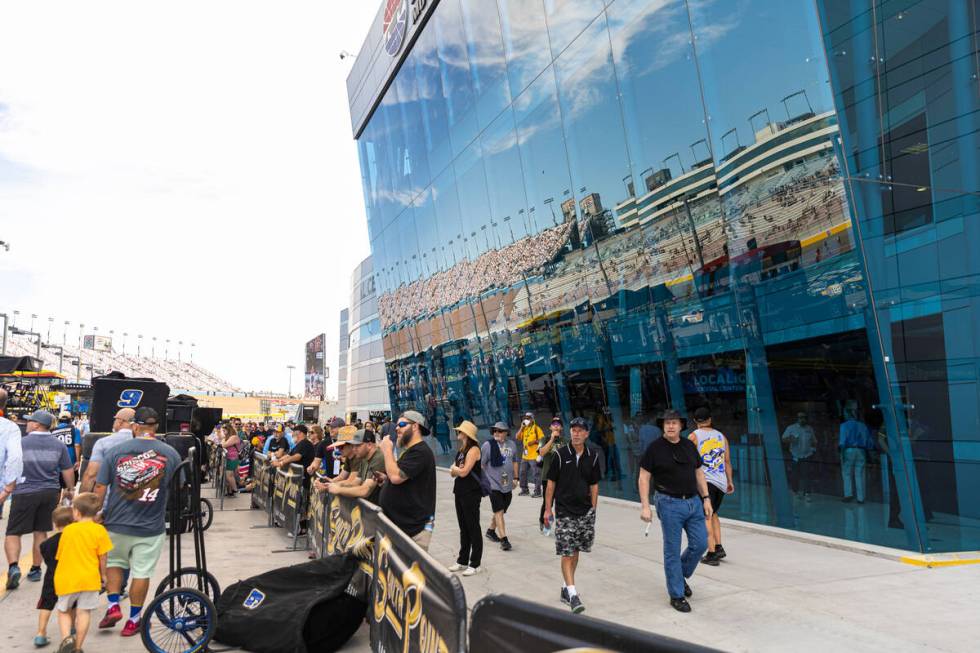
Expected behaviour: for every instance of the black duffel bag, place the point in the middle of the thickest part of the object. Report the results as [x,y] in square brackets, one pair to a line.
[305,608]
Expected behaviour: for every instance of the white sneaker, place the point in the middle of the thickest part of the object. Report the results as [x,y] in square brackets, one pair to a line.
[471,571]
[458,567]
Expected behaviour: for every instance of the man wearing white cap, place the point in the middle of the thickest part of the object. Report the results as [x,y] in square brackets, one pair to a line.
[67,433]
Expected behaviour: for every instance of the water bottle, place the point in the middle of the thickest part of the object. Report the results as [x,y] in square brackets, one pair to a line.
[548,522]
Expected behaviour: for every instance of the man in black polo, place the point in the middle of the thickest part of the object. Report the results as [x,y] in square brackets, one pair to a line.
[682,502]
[573,488]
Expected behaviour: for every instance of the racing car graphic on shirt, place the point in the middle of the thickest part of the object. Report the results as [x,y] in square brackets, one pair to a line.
[135,474]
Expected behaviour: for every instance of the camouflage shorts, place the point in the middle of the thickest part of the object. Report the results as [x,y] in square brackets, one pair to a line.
[573,534]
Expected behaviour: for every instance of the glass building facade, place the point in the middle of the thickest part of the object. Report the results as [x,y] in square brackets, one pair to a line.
[602,208]
[367,391]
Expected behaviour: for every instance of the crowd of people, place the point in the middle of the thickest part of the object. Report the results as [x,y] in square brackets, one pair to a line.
[104,532]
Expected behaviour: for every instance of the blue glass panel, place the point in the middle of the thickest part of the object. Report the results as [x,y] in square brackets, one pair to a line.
[505,181]
[488,66]
[454,66]
[525,39]
[543,156]
[568,18]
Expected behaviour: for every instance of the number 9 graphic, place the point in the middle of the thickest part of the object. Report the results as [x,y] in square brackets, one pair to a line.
[130,398]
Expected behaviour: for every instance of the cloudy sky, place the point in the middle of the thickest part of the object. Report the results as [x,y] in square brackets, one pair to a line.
[185,170]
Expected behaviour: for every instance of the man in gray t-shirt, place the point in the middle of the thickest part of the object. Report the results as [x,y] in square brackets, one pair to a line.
[502,472]
[139,472]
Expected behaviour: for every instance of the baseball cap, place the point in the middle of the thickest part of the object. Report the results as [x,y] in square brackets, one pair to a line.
[345,436]
[702,414]
[126,414]
[359,436]
[64,415]
[418,418]
[581,422]
[301,428]
[500,426]
[42,417]
[336,423]
[146,416]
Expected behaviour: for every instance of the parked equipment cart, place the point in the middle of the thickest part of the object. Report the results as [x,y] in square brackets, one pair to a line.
[182,618]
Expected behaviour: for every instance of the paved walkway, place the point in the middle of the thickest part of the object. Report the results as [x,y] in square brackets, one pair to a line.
[771,594]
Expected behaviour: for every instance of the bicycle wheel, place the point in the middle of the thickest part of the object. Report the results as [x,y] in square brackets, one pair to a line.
[190,578]
[179,621]
[207,514]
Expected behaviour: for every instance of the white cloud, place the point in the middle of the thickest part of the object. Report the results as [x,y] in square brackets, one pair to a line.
[183,169]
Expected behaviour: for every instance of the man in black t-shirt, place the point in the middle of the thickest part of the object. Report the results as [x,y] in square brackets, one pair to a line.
[573,488]
[278,444]
[301,453]
[408,495]
[682,503]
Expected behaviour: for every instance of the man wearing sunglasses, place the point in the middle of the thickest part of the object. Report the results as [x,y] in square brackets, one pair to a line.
[408,490]
[682,502]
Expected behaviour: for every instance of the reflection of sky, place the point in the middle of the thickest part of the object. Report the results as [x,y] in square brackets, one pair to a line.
[599,115]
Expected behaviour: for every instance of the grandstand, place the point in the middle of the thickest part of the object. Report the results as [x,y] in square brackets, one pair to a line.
[181,376]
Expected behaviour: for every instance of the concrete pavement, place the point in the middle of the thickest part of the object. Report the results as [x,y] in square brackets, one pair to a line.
[770,594]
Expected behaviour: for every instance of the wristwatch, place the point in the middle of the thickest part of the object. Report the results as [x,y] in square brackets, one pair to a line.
[705,498]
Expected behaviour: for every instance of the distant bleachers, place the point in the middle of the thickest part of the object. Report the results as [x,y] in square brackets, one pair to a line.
[181,376]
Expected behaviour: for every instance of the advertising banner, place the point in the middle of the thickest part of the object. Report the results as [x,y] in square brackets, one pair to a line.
[319,521]
[109,394]
[507,623]
[278,498]
[289,502]
[263,479]
[315,372]
[416,605]
[350,523]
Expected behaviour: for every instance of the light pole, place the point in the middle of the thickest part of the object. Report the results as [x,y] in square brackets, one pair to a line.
[50,322]
[112,345]
[192,352]
[125,335]
[33,317]
[64,333]
[139,344]
[3,350]
[153,348]
[16,313]
[81,326]
[290,368]
[180,345]
[166,350]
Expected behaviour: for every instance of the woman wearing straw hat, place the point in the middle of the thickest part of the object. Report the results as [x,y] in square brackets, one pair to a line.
[468,493]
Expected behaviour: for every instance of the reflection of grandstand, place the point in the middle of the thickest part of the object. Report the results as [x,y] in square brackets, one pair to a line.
[180,376]
[501,268]
[774,207]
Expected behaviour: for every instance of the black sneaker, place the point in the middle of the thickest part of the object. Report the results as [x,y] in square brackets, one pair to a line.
[687,590]
[720,552]
[13,577]
[681,605]
[536,495]
[711,558]
[505,544]
[847,499]
[564,596]
[492,535]
[576,604]
[34,575]
[524,493]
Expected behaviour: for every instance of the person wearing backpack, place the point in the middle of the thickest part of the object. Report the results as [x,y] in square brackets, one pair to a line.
[468,492]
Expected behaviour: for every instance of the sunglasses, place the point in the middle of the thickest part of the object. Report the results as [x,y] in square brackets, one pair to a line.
[403,424]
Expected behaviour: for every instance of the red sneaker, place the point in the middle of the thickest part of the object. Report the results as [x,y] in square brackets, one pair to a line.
[112,616]
[131,628]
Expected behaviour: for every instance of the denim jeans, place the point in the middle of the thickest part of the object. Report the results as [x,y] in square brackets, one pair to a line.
[530,473]
[676,515]
[853,470]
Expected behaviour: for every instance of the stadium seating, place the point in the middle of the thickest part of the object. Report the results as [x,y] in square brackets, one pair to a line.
[181,376]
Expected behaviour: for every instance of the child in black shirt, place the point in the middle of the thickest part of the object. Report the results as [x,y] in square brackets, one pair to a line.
[60,517]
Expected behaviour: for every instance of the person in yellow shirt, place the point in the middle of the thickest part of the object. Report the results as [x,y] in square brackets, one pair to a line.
[529,436]
[81,570]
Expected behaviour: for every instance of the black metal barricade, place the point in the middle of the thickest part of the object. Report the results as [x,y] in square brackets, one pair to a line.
[416,604]
[506,623]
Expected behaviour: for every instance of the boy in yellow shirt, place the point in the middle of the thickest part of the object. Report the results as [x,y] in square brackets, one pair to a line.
[81,570]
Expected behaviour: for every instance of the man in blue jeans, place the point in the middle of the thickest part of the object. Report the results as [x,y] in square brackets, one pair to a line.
[682,502]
